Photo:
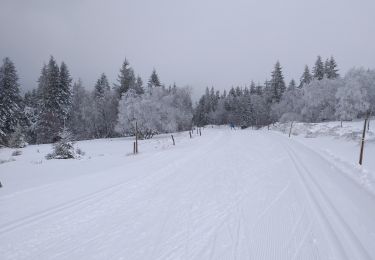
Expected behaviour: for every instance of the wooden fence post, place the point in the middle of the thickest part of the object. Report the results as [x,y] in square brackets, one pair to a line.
[134,147]
[136,137]
[368,124]
[362,142]
[173,140]
[290,130]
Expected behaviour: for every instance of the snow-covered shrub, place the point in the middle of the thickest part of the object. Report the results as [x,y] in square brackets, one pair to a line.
[63,149]
[17,139]
[16,153]
[80,152]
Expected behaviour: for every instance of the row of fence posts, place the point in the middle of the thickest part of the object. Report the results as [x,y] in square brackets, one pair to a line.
[135,143]
[366,126]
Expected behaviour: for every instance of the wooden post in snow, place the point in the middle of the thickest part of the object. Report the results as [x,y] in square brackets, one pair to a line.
[173,140]
[290,130]
[368,124]
[190,133]
[136,137]
[362,142]
[134,147]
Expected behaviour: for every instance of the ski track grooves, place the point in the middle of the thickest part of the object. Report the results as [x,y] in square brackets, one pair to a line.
[331,218]
[96,195]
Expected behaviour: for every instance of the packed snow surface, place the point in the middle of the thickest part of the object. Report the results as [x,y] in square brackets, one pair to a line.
[228,194]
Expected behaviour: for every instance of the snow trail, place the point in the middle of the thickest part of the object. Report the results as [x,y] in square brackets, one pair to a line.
[224,195]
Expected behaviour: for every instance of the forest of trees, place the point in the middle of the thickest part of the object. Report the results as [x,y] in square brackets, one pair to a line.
[321,95]
[58,105]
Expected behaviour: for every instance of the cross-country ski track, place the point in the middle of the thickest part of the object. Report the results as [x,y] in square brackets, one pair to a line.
[228,194]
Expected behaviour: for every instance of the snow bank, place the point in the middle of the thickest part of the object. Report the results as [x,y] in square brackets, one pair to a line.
[339,145]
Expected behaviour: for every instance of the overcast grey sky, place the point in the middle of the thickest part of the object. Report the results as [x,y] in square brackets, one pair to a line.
[192,42]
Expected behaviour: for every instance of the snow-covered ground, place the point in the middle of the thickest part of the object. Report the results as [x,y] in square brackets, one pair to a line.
[339,145]
[228,194]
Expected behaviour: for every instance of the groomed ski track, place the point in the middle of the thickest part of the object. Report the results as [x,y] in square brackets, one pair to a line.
[228,194]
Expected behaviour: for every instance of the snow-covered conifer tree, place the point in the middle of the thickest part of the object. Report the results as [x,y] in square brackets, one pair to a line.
[10,100]
[318,70]
[277,83]
[126,79]
[306,77]
[154,80]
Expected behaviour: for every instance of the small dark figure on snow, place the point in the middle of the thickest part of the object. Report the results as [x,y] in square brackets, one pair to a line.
[232,126]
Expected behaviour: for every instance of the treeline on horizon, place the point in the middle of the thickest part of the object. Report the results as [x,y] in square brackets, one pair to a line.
[58,105]
[320,95]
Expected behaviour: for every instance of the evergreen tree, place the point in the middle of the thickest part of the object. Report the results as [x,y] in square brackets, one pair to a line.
[292,85]
[77,121]
[139,86]
[105,108]
[63,149]
[330,68]
[154,80]
[277,83]
[253,89]
[306,77]
[31,106]
[10,100]
[318,70]
[126,79]
[65,92]
[51,113]
[101,87]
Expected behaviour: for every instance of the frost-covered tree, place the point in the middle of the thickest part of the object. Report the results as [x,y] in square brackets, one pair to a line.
[330,68]
[156,111]
[290,105]
[277,83]
[31,111]
[318,70]
[17,138]
[54,91]
[64,92]
[319,99]
[10,100]
[306,77]
[139,86]
[154,80]
[292,85]
[104,109]
[351,101]
[63,148]
[78,121]
[126,79]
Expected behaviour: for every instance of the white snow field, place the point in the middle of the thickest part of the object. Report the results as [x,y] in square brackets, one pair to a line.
[228,194]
